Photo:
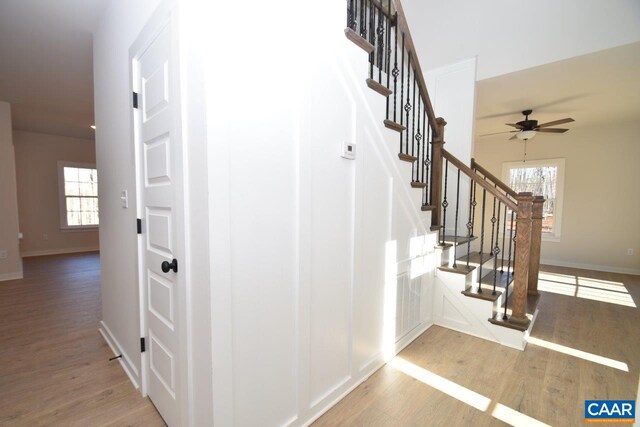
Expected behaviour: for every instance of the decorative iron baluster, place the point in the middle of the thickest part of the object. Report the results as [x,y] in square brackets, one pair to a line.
[372,37]
[444,200]
[493,224]
[427,161]
[495,252]
[473,204]
[402,91]
[363,20]
[470,221]
[407,106]
[506,298]
[395,71]
[388,65]
[455,229]
[418,139]
[351,21]
[511,240]
[504,235]
[413,117]
[484,202]
[380,32]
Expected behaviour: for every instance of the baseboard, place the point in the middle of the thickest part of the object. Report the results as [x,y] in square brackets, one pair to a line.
[400,345]
[11,276]
[125,361]
[59,251]
[605,268]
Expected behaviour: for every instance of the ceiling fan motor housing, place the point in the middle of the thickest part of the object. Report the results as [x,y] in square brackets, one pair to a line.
[528,124]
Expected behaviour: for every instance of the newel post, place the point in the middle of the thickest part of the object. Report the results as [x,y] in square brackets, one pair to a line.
[523,246]
[536,241]
[436,172]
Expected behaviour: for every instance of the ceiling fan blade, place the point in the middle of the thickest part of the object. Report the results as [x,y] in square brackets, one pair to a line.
[513,137]
[552,130]
[514,125]
[499,133]
[555,122]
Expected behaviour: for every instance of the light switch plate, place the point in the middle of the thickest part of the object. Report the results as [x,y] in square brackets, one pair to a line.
[349,150]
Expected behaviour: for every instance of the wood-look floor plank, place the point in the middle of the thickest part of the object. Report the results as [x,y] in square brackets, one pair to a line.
[54,367]
[541,382]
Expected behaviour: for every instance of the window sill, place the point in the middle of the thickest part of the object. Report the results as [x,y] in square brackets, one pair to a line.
[91,228]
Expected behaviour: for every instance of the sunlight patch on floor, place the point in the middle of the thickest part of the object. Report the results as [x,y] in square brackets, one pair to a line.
[465,395]
[579,354]
[586,288]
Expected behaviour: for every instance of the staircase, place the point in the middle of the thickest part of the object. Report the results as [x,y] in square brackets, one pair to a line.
[488,236]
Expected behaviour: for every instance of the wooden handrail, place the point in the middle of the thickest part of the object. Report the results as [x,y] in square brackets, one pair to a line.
[493,178]
[481,182]
[415,64]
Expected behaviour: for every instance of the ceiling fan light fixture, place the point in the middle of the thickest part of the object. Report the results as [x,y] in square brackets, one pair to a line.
[525,135]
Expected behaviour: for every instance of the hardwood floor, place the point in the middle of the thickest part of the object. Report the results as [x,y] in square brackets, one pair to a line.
[584,341]
[54,367]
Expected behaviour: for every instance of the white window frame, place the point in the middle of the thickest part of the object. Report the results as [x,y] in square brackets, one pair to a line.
[560,164]
[62,199]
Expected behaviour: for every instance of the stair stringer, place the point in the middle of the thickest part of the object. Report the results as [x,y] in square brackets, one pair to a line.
[453,310]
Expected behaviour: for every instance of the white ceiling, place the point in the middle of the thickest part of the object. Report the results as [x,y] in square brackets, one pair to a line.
[46,61]
[593,89]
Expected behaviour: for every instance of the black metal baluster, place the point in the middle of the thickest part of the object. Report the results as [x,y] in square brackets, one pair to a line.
[351,23]
[388,66]
[413,117]
[473,204]
[493,224]
[444,200]
[455,230]
[402,92]
[407,106]
[395,71]
[363,21]
[510,241]
[418,139]
[504,235]
[380,32]
[470,222]
[372,37]
[427,161]
[512,238]
[496,252]
[484,202]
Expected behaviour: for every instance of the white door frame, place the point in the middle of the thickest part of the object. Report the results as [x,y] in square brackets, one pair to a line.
[163,16]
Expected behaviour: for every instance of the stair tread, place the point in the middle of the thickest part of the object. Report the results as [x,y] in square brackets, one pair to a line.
[501,279]
[425,208]
[359,41]
[532,304]
[474,258]
[407,158]
[418,184]
[459,269]
[461,240]
[390,124]
[486,294]
[379,87]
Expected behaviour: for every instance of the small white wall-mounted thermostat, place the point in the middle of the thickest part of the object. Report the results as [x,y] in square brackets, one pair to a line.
[349,150]
[124,199]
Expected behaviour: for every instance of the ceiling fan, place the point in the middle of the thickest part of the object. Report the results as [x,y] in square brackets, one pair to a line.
[527,129]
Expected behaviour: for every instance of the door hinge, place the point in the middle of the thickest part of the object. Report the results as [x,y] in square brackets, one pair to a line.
[135,100]
[142,345]
[139,225]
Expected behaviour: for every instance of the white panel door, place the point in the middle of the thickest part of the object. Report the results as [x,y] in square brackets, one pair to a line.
[162,249]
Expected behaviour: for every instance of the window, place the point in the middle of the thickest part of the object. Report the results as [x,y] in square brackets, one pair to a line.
[542,178]
[78,186]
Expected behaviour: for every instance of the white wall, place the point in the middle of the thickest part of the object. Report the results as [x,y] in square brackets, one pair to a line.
[37,156]
[11,266]
[311,254]
[452,92]
[509,35]
[118,27]
[600,206]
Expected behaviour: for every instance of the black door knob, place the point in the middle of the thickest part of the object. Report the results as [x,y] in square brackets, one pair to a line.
[167,266]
